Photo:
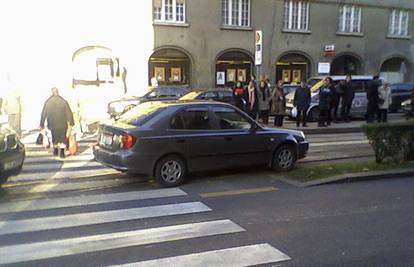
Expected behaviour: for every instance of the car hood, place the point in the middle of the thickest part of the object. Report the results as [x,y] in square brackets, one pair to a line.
[284,131]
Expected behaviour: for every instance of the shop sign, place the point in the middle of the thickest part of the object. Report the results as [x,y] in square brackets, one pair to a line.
[220,79]
[324,67]
[329,48]
[258,47]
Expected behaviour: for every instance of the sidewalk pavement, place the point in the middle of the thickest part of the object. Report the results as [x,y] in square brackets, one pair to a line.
[341,127]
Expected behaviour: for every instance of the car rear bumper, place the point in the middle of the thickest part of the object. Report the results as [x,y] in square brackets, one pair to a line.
[303,148]
[124,160]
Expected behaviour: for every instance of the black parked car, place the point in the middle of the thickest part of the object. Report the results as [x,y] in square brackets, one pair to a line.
[120,106]
[174,138]
[215,94]
[400,92]
[12,154]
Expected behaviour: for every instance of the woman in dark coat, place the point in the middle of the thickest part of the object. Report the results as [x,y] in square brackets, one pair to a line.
[251,99]
[263,97]
[325,99]
[58,115]
[238,95]
[278,104]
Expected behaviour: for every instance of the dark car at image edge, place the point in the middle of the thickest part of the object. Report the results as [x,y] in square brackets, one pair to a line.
[12,154]
[171,139]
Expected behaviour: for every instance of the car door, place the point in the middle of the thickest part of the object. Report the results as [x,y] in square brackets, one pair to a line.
[193,129]
[242,142]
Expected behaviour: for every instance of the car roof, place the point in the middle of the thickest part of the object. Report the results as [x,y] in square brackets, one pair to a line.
[211,89]
[342,77]
[170,103]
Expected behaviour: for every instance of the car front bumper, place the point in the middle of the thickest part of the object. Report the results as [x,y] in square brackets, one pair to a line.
[11,162]
[303,148]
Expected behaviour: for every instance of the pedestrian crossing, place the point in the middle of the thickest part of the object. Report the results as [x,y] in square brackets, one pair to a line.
[67,226]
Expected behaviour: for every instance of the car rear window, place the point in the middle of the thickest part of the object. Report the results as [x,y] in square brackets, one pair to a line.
[190,96]
[142,113]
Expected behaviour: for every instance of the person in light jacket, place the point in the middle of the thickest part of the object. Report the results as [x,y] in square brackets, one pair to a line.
[384,101]
[278,104]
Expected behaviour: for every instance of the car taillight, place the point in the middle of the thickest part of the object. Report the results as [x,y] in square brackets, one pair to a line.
[127,141]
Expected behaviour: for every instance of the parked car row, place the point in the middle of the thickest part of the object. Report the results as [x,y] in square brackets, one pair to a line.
[399,92]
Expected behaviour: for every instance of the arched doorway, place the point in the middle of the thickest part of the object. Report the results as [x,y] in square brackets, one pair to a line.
[394,69]
[233,66]
[346,64]
[292,67]
[169,66]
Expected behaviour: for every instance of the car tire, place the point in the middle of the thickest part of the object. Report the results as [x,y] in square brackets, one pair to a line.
[170,171]
[284,158]
[313,114]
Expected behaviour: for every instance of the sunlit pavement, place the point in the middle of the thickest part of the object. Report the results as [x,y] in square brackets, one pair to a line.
[75,212]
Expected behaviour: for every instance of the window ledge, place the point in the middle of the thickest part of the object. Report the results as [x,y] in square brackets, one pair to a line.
[403,37]
[296,31]
[170,24]
[354,34]
[236,28]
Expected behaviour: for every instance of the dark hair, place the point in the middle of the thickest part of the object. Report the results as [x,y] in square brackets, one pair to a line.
[376,77]
[330,79]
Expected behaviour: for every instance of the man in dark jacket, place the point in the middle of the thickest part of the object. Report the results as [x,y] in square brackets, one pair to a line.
[58,115]
[301,102]
[325,100]
[372,96]
[348,95]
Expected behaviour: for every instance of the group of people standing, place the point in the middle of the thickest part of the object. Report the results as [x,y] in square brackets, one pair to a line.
[379,100]
[261,100]
[331,97]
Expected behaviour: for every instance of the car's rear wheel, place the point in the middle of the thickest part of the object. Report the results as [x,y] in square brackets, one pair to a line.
[170,171]
[284,158]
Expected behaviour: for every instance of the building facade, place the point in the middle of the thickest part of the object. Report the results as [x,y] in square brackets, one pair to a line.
[212,43]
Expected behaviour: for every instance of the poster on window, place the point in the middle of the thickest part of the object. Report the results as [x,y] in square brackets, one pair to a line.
[241,75]
[220,78]
[297,76]
[231,75]
[286,76]
[159,74]
[176,74]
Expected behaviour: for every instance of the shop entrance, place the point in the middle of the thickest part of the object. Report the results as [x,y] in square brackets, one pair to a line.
[291,68]
[169,66]
[233,66]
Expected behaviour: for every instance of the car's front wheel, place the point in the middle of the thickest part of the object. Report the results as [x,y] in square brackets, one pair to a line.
[170,171]
[284,158]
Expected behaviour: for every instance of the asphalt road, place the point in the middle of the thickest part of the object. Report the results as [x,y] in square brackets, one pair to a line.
[79,213]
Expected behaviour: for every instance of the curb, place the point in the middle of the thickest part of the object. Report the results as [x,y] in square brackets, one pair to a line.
[328,130]
[353,177]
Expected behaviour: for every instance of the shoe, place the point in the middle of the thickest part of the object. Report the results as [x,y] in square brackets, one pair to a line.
[62,153]
[304,125]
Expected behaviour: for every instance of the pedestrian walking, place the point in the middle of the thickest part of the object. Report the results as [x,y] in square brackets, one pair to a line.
[238,96]
[13,108]
[278,104]
[301,102]
[348,95]
[58,115]
[325,99]
[372,97]
[263,96]
[384,101]
[251,99]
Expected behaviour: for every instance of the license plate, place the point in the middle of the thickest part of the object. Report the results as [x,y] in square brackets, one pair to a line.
[106,140]
[12,165]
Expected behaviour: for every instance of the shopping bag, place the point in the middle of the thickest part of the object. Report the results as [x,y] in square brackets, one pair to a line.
[39,139]
[72,144]
[294,112]
[45,139]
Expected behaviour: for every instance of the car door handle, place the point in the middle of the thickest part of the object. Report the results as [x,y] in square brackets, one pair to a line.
[181,141]
[228,138]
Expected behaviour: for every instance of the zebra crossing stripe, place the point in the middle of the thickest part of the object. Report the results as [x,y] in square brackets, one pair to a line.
[74,246]
[67,202]
[62,187]
[57,166]
[90,218]
[231,257]
[73,174]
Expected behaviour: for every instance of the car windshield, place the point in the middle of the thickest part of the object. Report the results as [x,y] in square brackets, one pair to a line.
[141,113]
[190,96]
